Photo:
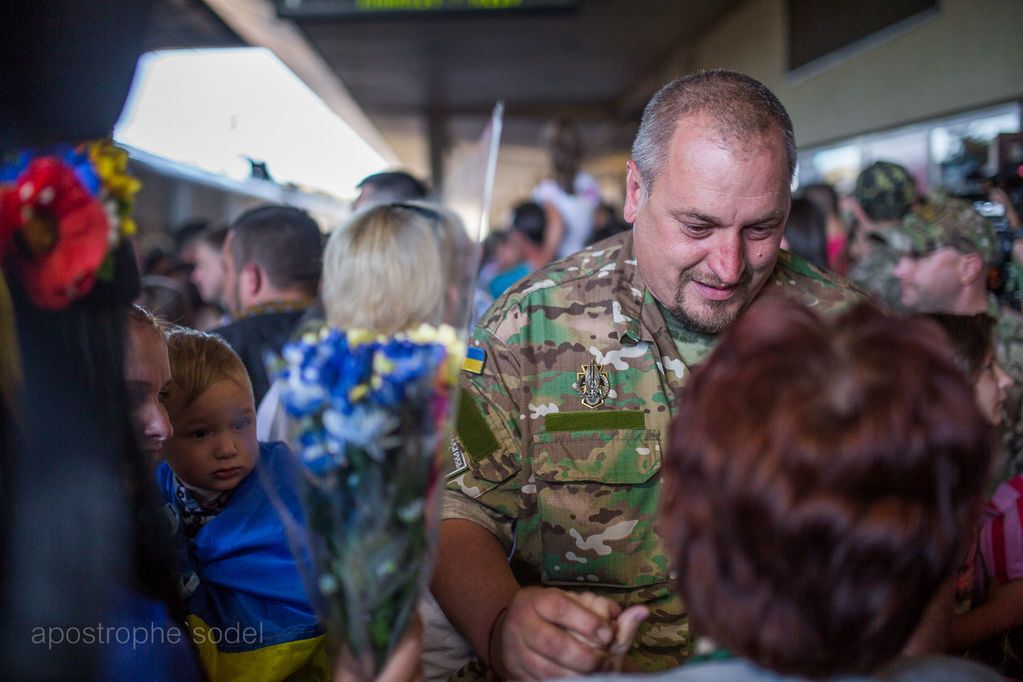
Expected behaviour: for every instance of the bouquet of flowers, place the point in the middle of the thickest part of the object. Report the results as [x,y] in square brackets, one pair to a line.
[369,415]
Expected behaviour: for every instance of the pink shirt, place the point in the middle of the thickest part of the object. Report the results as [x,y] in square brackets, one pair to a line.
[1001,532]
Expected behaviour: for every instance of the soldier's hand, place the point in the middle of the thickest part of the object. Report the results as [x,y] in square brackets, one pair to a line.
[549,633]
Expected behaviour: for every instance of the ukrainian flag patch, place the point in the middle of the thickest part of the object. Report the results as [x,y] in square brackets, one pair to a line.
[474,359]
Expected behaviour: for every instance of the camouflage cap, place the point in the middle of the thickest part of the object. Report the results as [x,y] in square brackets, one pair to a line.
[885,190]
[945,222]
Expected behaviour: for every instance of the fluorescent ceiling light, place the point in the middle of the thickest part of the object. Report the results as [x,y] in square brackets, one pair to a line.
[217,108]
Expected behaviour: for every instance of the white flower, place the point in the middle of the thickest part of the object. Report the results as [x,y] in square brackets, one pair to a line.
[369,429]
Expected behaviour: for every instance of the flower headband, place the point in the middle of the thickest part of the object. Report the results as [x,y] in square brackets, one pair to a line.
[62,213]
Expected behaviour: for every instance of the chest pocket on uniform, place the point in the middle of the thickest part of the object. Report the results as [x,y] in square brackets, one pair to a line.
[597,495]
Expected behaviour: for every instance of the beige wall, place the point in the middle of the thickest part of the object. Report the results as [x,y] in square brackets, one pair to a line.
[968,56]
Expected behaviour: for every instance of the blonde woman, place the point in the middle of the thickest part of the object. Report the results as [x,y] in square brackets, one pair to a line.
[388,268]
[383,269]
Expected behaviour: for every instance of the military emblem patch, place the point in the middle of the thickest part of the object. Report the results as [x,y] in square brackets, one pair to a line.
[459,460]
[592,384]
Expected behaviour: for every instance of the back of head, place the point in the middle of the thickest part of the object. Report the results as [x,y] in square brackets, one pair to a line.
[198,360]
[284,241]
[806,232]
[383,269]
[742,109]
[885,191]
[826,504]
[529,219]
[390,186]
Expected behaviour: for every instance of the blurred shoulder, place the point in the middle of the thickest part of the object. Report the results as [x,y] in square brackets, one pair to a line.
[589,276]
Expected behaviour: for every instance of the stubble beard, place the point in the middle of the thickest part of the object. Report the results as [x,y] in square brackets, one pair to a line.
[717,315]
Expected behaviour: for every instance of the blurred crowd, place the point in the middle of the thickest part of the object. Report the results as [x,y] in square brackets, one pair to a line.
[720,432]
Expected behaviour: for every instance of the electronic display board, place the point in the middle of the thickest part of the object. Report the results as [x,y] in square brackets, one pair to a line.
[342,9]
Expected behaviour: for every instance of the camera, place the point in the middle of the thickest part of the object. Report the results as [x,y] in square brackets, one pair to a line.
[1003,279]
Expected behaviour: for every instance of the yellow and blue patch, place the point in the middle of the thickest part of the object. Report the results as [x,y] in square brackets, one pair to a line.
[474,359]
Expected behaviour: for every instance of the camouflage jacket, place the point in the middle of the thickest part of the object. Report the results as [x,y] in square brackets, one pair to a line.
[571,492]
[1009,340]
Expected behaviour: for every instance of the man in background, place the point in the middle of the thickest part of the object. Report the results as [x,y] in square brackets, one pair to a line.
[208,275]
[944,251]
[208,271]
[522,251]
[388,187]
[885,192]
[272,262]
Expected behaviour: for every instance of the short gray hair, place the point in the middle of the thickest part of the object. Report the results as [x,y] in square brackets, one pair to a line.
[741,107]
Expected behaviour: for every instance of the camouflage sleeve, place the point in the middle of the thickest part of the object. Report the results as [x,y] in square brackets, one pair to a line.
[484,484]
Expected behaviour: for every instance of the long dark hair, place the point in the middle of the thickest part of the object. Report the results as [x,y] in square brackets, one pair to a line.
[971,337]
[565,146]
[806,232]
[81,526]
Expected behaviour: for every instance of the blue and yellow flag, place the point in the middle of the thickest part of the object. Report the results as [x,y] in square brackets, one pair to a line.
[249,615]
[474,359]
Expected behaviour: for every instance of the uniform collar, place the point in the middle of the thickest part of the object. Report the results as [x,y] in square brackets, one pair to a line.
[632,301]
[289,306]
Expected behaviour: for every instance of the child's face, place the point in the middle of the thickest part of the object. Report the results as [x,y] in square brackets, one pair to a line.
[214,443]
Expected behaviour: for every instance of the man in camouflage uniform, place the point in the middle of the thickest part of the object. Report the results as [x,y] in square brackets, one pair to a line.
[574,380]
[945,250]
[885,192]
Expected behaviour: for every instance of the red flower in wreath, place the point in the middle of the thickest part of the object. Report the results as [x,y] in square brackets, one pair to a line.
[58,233]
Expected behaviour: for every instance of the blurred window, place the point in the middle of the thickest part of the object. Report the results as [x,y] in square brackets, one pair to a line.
[950,152]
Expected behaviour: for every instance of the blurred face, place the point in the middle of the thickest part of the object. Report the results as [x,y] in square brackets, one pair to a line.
[991,384]
[509,252]
[214,444]
[230,287]
[147,378]
[859,246]
[707,235]
[208,273]
[930,282]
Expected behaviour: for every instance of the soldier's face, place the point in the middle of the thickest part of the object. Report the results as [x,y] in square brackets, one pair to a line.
[707,235]
[930,283]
